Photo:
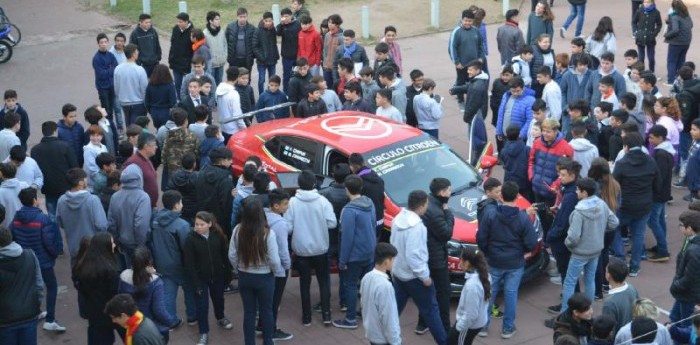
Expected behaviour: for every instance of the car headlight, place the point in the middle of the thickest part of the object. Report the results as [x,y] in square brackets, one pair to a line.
[454,248]
[538,227]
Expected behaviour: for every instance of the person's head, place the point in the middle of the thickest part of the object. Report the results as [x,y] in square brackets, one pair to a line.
[286,16]
[606,85]
[49,128]
[348,37]
[472,260]
[516,86]
[468,19]
[198,63]
[417,78]
[18,155]
[689,222]
[76,177]
[267,20]
[302,66]
[243,76]
[352,91]
[685,73]
[647,81]
[10,97]
[201,114]
[513,132]
[8,170]
[232,74]
[340,172]
[539,110]
[114,180]
[204,222]
[353,185]
[509,191]
[386,75]
[695,129]
[306,22]
[643,330]
[70,114]
[668,106]
[578,129]
[507,74]
[636,71]
[544,75]
[221,156]
[356,162]
[28,197]
[160,75]
[628,101]
[657,135]
[102,42]
[581,62]
[248,174]
[441,188]
[632,140]
[142,265]
[607,62]
[383,98]
[121,308]
[578,108]
[278,200]
[648,3]
[306,180]
[418,202]
[631,57]
[581,307]
[334,22]
[585,187]
[603,327]
[679,8]
[242,16]
[214,19]
[196,35]
[513,16]
[616,271]
[569,172]
[93,114]
[132,133]
[131,52]
[544,42]
[345,67]
[145,21]
[381,51]
[261,182]
[561,61]
[142,121]
[147,144]
[389,34]
[206,85]
[366,75]
[106,162]
[644,307]
[492,188]
[603,110]
[384,255]
[96,134]
[578,45]
[274,83]
[212,131]
[550,130]
[119,41]
[125,149]
[11,121]
[618,118]
[313,92]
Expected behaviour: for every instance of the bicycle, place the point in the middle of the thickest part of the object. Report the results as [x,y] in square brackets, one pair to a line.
[5,45]
[14,35]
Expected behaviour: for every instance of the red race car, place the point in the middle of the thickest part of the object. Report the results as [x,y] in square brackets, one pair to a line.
[405,158]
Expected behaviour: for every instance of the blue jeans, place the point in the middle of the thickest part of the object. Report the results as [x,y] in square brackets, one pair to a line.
[425,300]
[170,286]
[647,51]
[685,141]
[177,79]
[22,334]
[329,77]
[132,111]
[352,275]
[565,121]
[675,59]
[433,132]
[271,69]
[576,265]
[637,226]
[576,11]
[218,74]
[257,291]
[287,66]
[510,281]
[657,224]
[51,203]
[159,116]
[49,277]
[215,288]
[680,311]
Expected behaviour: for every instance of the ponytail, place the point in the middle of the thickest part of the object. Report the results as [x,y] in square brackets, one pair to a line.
[476,259]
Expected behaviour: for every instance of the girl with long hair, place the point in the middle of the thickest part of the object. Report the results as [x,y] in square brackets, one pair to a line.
[474,300]
[160,95]
[669,116]
[209,270]
[253,250]
[97,279]
[678,37]
[602,40]
[147,288]
[609,192]
[540,22]
[542,55]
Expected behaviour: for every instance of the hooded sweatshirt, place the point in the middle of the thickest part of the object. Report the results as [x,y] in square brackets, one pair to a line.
[505,235]
[310,46]
[229,102]
[636,172]
[663,155]
[589,221]
[357,226]
[592,94]
[410,237]
[80,214]
[584,153]
[21,300]
[184,181]
[167,241]
[32,229]
[472,308]
[398,96]
[428,111]
[269,264]
[130,210]
[281,229]
[150,301]
[310,216]
[9,191]
[380,315]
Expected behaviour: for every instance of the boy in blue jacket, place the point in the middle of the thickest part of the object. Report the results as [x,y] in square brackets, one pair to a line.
[272,96]
[515,159]
[33,229]
[358,238]
[10,97]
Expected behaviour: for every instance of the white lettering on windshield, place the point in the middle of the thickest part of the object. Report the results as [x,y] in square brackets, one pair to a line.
[401,151]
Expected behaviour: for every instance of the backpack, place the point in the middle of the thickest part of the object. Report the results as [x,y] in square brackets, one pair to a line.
[688,100]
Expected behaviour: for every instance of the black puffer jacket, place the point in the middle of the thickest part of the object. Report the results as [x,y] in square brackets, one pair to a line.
[290,39]
[373,188]
[680,30]
[206,259]
[440,223]
[180,57]
[265,46]
[232,37]
[646,26]
[184,182]
[214,185]
[636,172]
[335,193]
[686,283]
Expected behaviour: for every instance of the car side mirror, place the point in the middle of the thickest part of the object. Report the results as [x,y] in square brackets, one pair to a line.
[488,162]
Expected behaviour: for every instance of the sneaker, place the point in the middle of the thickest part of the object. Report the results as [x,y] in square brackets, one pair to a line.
[599,297]
[634,272]
[53,327]
[679,184]
[554,309]
[420,329]
[688,198]
[549,323]
[555,280]
[495,313]
[192,322]
[345,323]
[343,308]
[230,289]
[652,249]
[306,321]
[606,288]
[484,332]
[282,335]
[178,324]
[258,330]
[42,315]
[562,32]
[668,84]
[327,319]
[658,258]
[203,339]
[317,308]
[225,323]
[553,272]
[508,333]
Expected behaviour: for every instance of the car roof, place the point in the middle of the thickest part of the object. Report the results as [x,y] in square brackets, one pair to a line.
[347,131]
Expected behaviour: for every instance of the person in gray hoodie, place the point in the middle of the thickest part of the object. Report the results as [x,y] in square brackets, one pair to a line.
[410,272]
[388,79]
[9,191]
[590,220]
[466,44]
[310,216]
[168,235]
[380,316]
[584,151]
[607,67]
[278,204]
[79,213]
[129,213]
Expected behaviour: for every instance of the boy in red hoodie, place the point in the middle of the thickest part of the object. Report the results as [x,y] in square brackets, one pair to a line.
[310,44]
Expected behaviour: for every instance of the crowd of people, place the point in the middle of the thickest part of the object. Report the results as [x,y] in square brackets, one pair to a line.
[594,150]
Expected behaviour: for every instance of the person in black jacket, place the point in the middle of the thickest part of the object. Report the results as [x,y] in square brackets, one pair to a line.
[54,157]
[146,38]
[184,180]
[439,221]
[239,37]
[288,29]
[180,57]
[265,49]
[296,90]
[413,90]
[477,90]
[214,185]
[635,172]
[312,104]
[663,155]
[646,25]
[685,287]
[373,188]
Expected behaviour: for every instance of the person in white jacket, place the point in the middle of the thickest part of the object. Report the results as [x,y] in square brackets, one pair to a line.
[551,94]
[27,168]
[380,316]
[216,40]
[411,274]
[474,299]
[584,151]
[229,102]
[310,216]
[92,150]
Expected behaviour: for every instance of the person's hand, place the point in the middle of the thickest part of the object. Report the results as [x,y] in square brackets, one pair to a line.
[532,210]
[459,66]
[234,192]
[427,282]
[697,308]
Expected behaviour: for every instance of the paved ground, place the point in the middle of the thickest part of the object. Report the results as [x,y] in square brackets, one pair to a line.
[52,66]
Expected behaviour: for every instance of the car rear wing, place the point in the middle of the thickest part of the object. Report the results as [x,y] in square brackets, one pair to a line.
[252,113]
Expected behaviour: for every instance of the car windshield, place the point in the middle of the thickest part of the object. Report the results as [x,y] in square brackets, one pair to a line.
[411,164]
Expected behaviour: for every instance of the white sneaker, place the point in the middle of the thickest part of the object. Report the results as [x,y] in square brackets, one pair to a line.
[42,315]
[555,280]
[54,327]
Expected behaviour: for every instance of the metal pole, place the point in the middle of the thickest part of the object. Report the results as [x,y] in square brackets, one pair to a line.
[365,21]
[435,13]
[276,14]
[506,6]
[146,6]
[112,3]
[182,6]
